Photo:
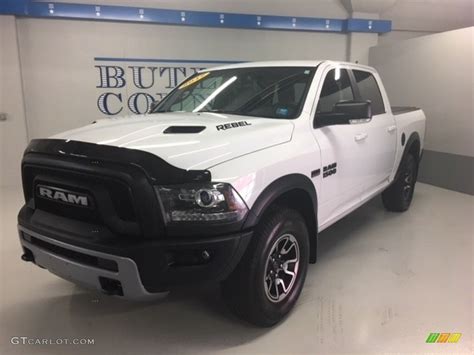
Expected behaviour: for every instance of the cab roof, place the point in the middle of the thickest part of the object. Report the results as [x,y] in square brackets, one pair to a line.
[286,63]
[273,63]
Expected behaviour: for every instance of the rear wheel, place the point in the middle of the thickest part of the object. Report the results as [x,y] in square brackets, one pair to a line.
[399,195]
[268,280]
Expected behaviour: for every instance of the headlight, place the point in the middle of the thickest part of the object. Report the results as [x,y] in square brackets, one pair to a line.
[205,202]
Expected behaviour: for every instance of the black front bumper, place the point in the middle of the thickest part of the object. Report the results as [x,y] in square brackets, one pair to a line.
[151,265]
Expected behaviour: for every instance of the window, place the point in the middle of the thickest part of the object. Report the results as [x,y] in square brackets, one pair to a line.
[336,88]
[190,100]
[369,90]
[272,92]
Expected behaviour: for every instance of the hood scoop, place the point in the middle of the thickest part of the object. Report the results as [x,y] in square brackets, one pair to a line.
[184,129]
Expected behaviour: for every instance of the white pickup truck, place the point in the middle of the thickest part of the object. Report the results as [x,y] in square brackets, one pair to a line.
[229,178]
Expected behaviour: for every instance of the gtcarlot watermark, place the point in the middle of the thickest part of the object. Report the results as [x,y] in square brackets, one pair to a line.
[24,340]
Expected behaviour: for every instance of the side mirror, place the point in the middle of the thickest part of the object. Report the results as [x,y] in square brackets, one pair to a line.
[153,105]
[344,112]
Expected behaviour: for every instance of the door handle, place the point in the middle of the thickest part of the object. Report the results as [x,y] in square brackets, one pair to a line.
[391,129]
[360,137]
[3,116]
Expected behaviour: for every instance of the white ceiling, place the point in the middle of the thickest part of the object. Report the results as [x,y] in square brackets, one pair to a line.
[430,15]
[368,6]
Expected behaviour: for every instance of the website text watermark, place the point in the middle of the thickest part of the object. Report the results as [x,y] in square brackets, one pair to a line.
[24,340]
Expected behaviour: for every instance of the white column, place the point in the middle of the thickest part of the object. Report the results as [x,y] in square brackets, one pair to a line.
[360,42]
[13,135]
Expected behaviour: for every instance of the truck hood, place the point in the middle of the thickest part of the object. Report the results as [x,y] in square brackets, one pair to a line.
[187,140]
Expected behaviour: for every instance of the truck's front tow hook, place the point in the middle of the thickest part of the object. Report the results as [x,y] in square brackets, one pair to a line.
[28,256]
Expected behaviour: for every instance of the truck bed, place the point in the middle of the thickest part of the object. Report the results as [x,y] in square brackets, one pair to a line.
[398,110]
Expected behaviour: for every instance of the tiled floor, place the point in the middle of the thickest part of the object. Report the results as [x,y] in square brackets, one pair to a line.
[383,282]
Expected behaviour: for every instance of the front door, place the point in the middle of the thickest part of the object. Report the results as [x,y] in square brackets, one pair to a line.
[343,151]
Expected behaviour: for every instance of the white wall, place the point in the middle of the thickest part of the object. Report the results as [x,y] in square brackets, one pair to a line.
[397,35]
[435,73]
[12,131]
[430,15]
[415,18]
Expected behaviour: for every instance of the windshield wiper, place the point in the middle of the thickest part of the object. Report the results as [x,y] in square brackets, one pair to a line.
[217,111]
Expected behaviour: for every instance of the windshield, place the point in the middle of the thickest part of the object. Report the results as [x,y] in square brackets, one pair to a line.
[273,92]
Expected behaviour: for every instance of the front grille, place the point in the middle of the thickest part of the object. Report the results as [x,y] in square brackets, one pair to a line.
[111,202]
[121,198]
[106,194]
[66,210]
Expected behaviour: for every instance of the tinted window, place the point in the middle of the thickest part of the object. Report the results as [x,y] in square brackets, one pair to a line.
[336,88]
[369,90]
[273,92]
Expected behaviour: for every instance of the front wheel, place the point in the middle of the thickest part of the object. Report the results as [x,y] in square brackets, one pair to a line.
[398,196]
[268,280]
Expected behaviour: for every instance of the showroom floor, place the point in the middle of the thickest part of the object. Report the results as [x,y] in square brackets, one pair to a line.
[383,282]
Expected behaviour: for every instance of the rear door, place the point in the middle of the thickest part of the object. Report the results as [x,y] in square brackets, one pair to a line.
[381,132]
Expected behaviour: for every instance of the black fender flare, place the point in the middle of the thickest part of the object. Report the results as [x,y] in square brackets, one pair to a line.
[276,189]
[414,138]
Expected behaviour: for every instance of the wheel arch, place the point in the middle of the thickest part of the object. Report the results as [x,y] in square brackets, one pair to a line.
[295,191]
[413,146]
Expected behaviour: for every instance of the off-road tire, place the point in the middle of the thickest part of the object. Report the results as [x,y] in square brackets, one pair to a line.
[398,196]
[251,290]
